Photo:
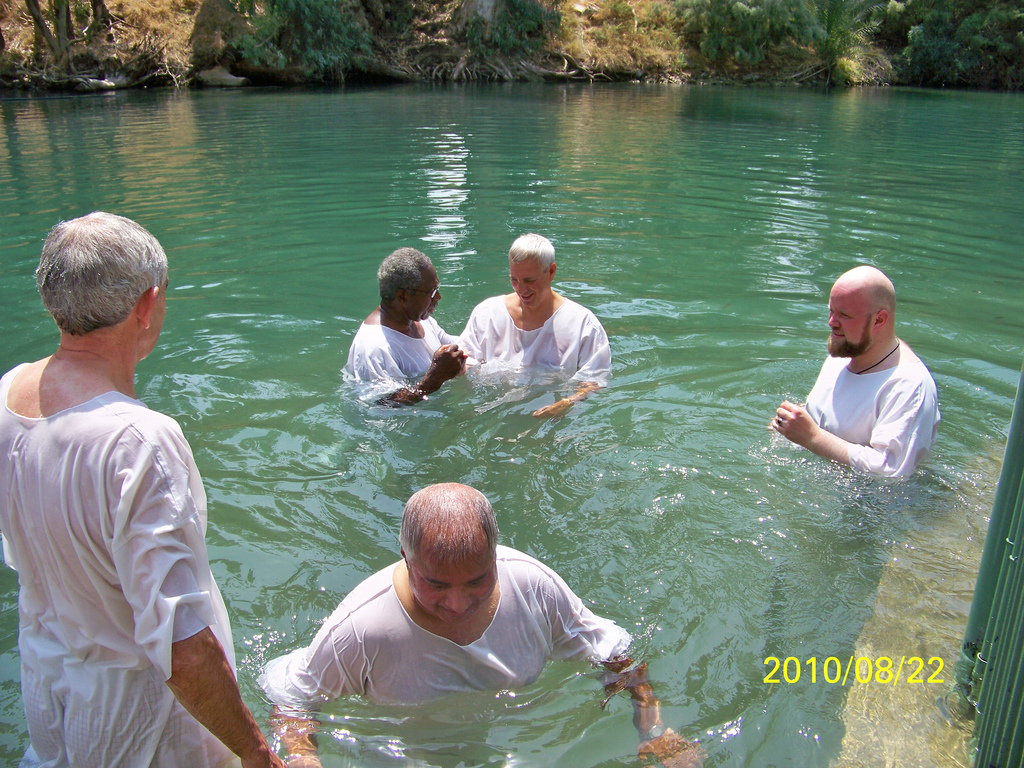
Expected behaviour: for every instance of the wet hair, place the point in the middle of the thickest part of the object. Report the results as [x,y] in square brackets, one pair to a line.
[448,519]
[402,270]
[531,246]
[94,269]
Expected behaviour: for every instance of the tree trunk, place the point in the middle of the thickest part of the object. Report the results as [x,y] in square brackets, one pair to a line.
[42,30]
[488,10]
[101,21]
[61,10]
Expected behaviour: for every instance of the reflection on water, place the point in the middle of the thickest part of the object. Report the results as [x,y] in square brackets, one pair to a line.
[704,227]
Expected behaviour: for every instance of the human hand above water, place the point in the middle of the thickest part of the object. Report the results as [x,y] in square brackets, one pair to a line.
[447,363]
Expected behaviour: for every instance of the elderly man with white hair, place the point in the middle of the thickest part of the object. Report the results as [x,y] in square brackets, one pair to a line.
[457,613]
[874,406]
[126,650]
[534,326]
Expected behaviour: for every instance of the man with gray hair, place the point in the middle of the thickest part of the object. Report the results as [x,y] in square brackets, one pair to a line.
[400,340]
[126,650]
[536,327]
[457,613]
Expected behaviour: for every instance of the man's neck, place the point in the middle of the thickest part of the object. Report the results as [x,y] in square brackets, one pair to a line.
[461,634]
[882,356]
[532,318]
[398,322]
[64,380]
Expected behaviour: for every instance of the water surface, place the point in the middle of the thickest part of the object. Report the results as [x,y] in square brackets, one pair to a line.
[704,226]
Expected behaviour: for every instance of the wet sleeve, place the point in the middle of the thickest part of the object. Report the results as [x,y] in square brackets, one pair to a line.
[903,432]
[158,549]
[595,356]
[334,664]
[372,362]
[576,632]
[471,339]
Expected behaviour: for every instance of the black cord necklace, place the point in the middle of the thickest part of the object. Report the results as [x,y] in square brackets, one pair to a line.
[858,373]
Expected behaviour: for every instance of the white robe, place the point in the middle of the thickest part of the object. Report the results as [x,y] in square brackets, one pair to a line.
[890,416]
[571,340]
[370,646]
[104,516]
[379,353]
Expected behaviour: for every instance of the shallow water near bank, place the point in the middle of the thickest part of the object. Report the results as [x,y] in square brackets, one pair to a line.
[704,227]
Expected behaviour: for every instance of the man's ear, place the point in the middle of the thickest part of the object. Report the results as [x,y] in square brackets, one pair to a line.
[553,267]
[881,317]
[144,306]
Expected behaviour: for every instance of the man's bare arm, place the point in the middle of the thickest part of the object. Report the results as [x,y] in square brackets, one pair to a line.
[664,744]
[447,363]
[559,407]
[202,680]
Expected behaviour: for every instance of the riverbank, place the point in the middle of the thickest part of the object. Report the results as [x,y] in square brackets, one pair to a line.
[181,44]
[109,44]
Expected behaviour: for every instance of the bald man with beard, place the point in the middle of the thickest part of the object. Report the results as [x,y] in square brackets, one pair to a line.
[874,406]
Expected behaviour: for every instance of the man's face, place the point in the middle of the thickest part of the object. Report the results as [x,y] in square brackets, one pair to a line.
[453,594]
[422,300]
[851,318]
[531,281]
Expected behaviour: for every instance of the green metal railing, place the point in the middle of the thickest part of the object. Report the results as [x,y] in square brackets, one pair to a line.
[990,672]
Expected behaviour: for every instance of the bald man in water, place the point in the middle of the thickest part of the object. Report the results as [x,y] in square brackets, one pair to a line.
[874,406]
[457,613]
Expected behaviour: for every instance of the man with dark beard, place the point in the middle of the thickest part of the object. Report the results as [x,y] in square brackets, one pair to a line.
[874,406]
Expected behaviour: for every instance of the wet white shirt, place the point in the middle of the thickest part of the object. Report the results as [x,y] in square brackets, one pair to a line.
[104,516]
[571,340]
[381,353]
[370,646]
[891,416]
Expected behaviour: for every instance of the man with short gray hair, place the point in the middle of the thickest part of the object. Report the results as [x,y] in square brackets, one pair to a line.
[535,327]
[400,340]
[126,650]
[457,613]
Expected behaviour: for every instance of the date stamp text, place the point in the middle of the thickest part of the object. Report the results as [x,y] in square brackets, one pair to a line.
[862,669]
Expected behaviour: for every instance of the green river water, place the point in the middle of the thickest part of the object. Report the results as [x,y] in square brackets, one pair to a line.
[704,227]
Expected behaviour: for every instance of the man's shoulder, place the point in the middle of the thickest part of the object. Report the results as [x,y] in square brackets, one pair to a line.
[914,375]
[490,305]
[368,335]
[520,565]
[366,596]
[573,311]
[113,411]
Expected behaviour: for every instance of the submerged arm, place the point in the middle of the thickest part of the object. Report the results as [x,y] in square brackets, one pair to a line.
[559,407]
[297,732]
[664,744]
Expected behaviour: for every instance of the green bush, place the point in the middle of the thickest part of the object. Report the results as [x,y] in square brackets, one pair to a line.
[974,43]
[841,29]
[992,47]
[742,31]
[322,38]
[522,28]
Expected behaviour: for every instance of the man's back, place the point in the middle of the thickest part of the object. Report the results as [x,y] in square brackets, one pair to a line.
[104,511]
